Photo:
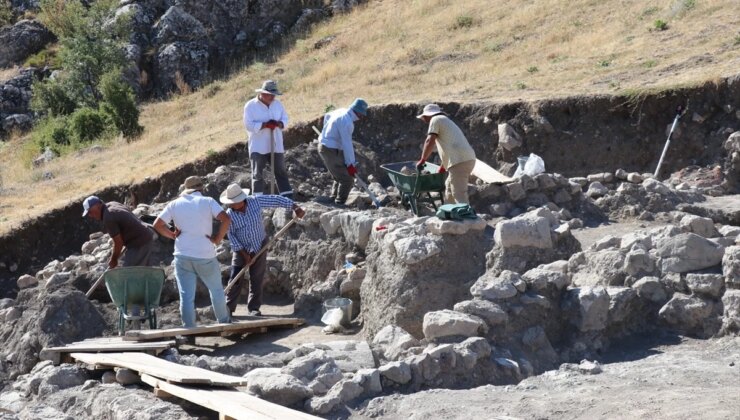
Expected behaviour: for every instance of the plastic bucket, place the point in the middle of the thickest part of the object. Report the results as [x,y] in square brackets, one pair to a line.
[344,304]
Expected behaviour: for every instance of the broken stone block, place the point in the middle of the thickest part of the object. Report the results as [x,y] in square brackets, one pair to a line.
[356,227]
[483,309]
[25,281]
[392,341]
[686,313]
[369,380]
[447,323]
[523,231]
[396,372]
[127,377]
[702,226]
[634,178]
[277,387]
[591,306]
[731,266]
[596,190]
[515,190]
[654,186]
[508,138]
[638,261]
[688,252]
[731,312]
[454,227]
[705,284]
[415,249]
[604,268]
[652,289]
[493,287]
[109,377]
[330,222]
[538,279]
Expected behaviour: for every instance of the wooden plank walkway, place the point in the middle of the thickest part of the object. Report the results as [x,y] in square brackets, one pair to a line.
[103,345]
[239,327]
[228,402]
[159,368]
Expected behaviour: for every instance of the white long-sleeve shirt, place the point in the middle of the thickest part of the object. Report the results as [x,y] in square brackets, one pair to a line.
[337,132]
[256,113]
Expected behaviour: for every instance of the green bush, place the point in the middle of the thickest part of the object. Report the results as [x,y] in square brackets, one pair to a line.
[6,13]
[660,25]
[87,124]
[119,104]
[46,57]
[51,97]
[52,132]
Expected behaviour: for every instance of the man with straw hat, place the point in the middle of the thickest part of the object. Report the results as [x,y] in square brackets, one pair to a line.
[336,150]
[265,118]
[247,235]
[458,157]
[195,247]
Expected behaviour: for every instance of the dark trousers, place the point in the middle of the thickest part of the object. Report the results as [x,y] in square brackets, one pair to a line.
[334,161]
[256,281]
[259,165]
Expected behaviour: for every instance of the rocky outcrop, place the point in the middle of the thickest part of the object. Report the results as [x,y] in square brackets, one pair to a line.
[15,102]
[19,41]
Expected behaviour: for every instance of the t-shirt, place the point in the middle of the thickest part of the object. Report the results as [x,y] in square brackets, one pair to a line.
[452,145]
[118,220]
[193,214]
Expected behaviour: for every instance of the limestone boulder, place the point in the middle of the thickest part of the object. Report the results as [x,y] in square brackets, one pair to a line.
[447,323]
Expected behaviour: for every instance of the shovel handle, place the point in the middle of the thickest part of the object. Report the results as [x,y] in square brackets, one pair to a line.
[264,249]
[96,284]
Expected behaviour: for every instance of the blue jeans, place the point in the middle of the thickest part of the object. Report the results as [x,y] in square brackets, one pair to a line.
[187,271]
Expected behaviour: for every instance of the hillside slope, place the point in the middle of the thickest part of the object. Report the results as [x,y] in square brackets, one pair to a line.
[410,51]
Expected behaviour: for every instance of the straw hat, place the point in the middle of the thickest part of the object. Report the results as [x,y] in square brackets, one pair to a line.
[192,184]
[234,194]
[269,87]
[430,111]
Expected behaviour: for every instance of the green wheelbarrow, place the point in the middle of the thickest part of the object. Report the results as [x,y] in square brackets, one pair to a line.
[135,287]
[416,188]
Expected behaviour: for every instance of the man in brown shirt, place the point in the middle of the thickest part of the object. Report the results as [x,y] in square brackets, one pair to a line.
[126,230]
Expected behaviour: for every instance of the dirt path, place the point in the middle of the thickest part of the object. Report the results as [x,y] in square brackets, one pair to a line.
[675,378]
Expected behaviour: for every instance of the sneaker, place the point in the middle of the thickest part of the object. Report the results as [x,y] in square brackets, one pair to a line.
[255,313]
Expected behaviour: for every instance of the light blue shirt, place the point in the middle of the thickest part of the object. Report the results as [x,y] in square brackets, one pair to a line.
[337,133]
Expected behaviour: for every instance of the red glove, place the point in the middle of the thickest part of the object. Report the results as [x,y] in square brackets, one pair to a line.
[420,164]
[271,125]
[441,170]
[351,170]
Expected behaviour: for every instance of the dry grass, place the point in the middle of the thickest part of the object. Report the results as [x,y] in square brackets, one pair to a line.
[413,50]
[9,73]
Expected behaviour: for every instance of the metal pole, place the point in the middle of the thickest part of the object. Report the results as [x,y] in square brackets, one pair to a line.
[668,142]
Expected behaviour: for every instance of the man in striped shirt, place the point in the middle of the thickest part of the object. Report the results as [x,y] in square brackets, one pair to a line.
[247,235]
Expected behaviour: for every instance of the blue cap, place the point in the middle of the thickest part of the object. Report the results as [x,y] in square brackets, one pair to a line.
[359,106]
[89,202]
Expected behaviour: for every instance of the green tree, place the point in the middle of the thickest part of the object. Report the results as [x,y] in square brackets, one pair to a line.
[50,97]
[87,124]
[119,104]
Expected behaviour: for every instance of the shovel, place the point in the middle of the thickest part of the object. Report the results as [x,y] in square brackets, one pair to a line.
[264,249]
[679,112]
[96,284]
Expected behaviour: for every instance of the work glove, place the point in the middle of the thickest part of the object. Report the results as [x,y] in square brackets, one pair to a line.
[351,170]
[271,125]
[420,165]
[441,170]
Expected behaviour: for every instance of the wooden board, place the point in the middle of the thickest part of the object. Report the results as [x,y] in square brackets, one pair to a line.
[159,368]
[487,174]
[104,345]
[217,329]
[229,403]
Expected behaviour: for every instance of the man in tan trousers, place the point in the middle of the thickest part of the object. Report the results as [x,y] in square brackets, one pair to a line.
[458,157]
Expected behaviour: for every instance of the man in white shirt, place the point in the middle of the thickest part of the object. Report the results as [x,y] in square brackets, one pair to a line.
[336,150]
[195,252]
[265,118]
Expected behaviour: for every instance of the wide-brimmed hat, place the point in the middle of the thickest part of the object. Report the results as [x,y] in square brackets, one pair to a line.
[269,87]
[192,184]
[430,111]
[234,194]
[359,106]
[89,203]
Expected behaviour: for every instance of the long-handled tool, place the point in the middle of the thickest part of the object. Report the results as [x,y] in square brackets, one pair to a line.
[96,284]
[264,249]
[272,160]
[679,113]
[360,182]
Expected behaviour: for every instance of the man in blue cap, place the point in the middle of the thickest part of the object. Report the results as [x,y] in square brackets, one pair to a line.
[335,147]
[125,229]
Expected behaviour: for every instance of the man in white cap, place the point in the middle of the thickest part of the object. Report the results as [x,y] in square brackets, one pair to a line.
[125,229]
[265,118]
[458,157]
[195,247]
[336,150]
[247,235]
